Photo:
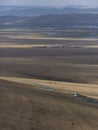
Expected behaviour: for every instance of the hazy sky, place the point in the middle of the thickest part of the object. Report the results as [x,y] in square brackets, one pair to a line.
[49,2]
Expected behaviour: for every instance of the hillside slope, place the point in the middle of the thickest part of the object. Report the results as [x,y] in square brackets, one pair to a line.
[27,107]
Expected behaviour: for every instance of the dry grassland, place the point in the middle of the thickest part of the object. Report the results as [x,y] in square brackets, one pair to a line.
[37,83]
[28,107]
[90,90]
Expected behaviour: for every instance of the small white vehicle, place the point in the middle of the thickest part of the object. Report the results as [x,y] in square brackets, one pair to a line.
[75,94]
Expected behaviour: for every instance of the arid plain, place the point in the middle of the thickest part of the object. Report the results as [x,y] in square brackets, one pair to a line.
[38,76]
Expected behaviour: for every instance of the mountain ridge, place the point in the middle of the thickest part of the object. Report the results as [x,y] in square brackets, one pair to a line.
[37,11]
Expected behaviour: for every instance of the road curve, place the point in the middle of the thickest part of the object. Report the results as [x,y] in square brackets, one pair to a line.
[28,81]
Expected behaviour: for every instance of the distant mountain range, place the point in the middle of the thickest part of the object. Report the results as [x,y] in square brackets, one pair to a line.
[36,11]
[54,21]
[55,17]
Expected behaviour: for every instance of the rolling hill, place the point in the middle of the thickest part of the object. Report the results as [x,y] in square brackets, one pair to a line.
[54,21]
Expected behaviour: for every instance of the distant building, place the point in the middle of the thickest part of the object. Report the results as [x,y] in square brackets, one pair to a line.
[49,46]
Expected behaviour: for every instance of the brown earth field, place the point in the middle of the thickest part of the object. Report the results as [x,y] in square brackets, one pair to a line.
[27,107]
[52,69]
[63,63]
[32,55]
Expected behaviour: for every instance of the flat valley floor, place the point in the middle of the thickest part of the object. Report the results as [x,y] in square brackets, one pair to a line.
[38,76]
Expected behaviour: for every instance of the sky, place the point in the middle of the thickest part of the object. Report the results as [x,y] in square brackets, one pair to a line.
[50,2]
